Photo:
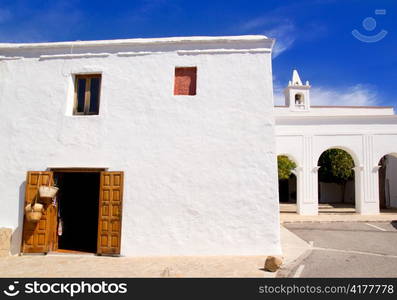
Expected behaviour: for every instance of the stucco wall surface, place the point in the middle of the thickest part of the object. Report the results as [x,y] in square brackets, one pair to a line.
[200,171]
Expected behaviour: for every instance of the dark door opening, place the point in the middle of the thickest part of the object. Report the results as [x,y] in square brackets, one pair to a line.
[283,190]
[78,203]
[287,189]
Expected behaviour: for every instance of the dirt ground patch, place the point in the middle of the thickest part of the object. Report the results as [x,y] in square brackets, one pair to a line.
[97,266]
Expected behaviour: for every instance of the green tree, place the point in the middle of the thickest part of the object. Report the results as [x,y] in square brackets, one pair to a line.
[336,166]
[285,167]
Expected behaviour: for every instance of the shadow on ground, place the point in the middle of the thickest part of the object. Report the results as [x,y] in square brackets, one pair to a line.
[394,224]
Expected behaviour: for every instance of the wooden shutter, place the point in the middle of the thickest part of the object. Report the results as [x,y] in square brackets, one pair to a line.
[110,212]
[185,81]
[37,237]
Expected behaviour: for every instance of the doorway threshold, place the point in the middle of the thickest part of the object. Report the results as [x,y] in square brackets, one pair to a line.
[69,252]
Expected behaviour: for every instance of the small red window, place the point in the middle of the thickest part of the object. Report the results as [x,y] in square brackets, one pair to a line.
[185,81]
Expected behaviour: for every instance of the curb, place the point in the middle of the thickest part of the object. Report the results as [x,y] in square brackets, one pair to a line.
[286,271]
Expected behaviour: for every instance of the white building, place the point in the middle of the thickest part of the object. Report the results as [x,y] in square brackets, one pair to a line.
[368,134]
[188,122]
[166,146]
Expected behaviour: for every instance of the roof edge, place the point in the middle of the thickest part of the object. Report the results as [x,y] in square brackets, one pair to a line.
[342,117]
[143,41]
[344,106]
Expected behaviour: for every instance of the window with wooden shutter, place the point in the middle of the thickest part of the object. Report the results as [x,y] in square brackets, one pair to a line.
[87,94]
[185,81]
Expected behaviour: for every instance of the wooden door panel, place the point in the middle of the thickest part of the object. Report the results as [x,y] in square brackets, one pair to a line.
[37,236]
[110,212]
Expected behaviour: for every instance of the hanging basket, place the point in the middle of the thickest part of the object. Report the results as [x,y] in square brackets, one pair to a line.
[34,212]
[48,191]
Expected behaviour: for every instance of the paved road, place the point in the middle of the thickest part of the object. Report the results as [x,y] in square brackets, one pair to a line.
[347,249]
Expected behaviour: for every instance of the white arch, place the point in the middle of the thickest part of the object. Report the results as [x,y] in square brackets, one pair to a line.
[299,98]
[394,154]
[344,148]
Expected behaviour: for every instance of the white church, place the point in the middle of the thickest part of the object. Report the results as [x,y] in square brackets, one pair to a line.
[168,146]
[367,133]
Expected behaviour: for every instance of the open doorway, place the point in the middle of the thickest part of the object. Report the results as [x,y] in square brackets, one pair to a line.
[78,206]
[85,215]
[287,184]
[388,182]
[287,189]
[336,182]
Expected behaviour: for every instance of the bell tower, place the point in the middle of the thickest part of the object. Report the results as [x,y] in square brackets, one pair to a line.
[297,95]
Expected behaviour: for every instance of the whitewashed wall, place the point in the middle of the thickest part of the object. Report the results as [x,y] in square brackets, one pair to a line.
[200,171]
[365,138]
[331,192]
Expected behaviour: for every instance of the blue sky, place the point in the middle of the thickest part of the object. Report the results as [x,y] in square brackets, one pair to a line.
[314,36]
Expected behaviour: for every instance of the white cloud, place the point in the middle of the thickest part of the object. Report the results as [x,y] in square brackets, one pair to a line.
[285,35]
[282,29]
[282,24]
[357,95]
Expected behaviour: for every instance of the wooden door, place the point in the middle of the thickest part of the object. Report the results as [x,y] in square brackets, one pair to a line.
[38,236]
[110,212]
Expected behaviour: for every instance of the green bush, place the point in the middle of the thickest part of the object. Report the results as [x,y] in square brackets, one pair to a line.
[336,166]
[285,167]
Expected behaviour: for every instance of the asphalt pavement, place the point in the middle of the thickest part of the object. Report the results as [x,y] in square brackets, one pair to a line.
[345,249]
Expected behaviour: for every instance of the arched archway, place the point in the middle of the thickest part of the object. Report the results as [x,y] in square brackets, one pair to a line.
[336,181]
[388,181]
[299,99]
[287,183]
